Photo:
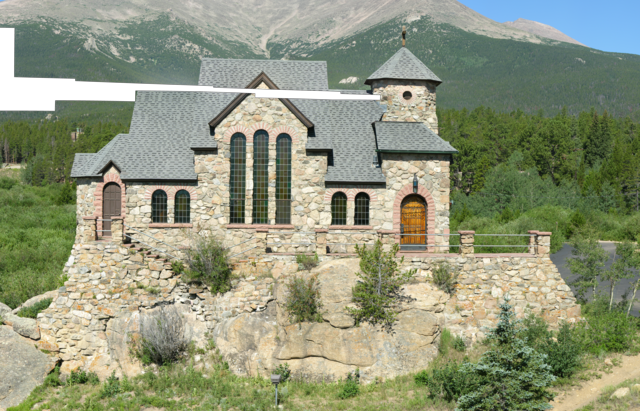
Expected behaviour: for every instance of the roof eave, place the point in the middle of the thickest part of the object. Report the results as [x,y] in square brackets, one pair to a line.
[370,81]
[417,151]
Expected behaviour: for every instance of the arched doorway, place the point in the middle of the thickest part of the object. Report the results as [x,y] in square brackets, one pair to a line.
[413,222]
[111,203]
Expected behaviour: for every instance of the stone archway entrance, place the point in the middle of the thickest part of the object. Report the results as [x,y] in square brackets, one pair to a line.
[413,222]
[111,203]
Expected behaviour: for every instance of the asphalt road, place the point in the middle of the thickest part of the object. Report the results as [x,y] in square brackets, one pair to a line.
[560,259]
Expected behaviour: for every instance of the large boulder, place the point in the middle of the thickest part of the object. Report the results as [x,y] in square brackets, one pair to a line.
[26,327]
[22,367]
[257,342]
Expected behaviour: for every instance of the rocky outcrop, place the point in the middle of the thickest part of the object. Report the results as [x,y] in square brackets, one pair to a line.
[255,343]
[22,367]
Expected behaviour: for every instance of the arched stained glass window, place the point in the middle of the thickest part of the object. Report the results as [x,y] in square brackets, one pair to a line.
[260,177]
[238,178]
[361,216]
[339,209]
[283,179]
[159,207]
[183,207]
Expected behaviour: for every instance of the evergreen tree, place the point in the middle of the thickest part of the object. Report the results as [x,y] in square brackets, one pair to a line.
[511,376]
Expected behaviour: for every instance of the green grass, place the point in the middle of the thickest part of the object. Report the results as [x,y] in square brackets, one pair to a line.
[36,237]
[33,310]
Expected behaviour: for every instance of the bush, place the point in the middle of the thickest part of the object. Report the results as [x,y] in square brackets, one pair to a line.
[564,354]
[449,382]
[33,310]
[511,375]
[67,195]
[447,341]
[283,371]
[445,278]
[208,263]
[302,302]
[351,386]
[177,267]
[377,293]
[111,386]
[53,379]
[82,377]
[607,330]
[163,337]
[7,183]
[307,261]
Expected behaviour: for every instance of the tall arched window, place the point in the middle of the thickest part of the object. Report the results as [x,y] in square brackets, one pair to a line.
[339,209]
[260,177]
[283,179]
[238,177]
[361,216]
[183,207]
[159,207]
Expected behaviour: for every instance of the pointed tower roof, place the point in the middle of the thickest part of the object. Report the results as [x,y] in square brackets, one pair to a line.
[403,66]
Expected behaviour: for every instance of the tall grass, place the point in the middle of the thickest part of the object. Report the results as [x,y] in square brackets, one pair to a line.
[36,237]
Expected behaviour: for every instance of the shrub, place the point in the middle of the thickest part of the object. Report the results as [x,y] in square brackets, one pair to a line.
[351,386]
[459,344]
[163,337]
[53,379]
[302,302]
[283,371]
[445,278]
[607,331]
[82,377]
[67,195]
[177,267]
[377,293]
[449,382]
[111,386]
[511,375]
[7,183]
[308,261]
[33,310]
[208,263]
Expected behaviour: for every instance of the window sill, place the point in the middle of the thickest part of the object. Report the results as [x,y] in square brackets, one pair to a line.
[350,227]
[170,225]
[261,226]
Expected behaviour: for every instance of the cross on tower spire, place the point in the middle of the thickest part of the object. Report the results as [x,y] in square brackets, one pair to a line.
[404,33]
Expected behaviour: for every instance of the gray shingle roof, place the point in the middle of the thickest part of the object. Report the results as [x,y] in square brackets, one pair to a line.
[397,136]
[287,75]
[168,125]
[344,126]
[403,66]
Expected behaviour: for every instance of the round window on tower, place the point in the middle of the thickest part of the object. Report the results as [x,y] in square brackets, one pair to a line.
[407,95]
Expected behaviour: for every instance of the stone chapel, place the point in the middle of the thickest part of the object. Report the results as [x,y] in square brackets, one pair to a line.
[314,175]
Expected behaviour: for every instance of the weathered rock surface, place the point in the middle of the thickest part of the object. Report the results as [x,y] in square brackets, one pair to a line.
[26,327]
[257,342]
[22,367]
[4,309]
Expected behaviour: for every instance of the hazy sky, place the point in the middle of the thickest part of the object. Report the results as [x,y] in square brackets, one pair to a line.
[612,25]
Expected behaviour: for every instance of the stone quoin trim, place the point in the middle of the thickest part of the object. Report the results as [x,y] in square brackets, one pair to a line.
[431,211]
[237,129]
[110,177]
[350,193]
[171,191]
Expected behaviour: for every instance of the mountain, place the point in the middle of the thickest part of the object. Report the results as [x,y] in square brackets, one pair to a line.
[542,30]
[482,62]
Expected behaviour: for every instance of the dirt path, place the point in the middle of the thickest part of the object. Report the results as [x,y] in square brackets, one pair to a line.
[591,390]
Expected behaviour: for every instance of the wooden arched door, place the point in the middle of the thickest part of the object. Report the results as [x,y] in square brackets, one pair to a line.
[413,221]
[111,203]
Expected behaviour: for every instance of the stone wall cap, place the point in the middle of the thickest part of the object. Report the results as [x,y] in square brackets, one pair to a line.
[544,232]
[322,230]
[466,232]
[533,231]
[89,217]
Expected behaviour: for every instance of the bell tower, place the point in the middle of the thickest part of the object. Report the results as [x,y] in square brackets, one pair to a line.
[407,87]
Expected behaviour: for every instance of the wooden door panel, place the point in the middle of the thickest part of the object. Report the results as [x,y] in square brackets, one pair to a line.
[111,206]
[413,220]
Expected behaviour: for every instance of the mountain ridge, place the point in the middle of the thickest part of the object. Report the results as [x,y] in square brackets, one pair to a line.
[541,29]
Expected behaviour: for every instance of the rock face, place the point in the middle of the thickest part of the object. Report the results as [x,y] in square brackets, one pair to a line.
[257,342]
[22,367]
[542,30]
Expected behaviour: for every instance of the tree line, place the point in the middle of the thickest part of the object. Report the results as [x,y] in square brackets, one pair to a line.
[47,149]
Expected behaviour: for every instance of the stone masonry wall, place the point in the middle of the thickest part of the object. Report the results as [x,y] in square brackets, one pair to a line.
[420,107]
